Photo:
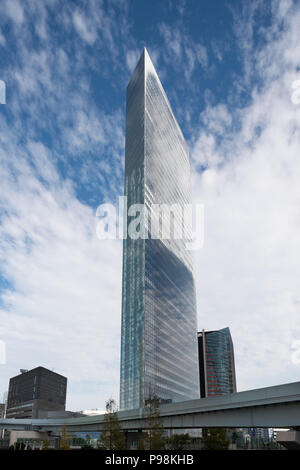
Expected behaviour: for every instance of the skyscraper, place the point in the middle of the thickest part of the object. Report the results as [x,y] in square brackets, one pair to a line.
[216,363]
[159,326]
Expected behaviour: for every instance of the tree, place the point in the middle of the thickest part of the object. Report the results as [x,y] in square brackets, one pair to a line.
[216,439]
[112,437]
[178,441]
[45,444]
[87,443]
[141,444]
[154,439]
[65,440]
[234,437]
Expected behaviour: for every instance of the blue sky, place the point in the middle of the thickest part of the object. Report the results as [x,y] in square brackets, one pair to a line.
[228,69]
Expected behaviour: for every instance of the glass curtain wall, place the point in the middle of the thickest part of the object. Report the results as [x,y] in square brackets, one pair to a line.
[159,352]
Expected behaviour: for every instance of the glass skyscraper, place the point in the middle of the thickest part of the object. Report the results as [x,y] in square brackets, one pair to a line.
[216,363]
[159,352]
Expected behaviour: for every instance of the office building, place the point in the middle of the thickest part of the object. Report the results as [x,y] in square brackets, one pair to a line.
[35,391]
[159,330]
[216,363]
[2,410]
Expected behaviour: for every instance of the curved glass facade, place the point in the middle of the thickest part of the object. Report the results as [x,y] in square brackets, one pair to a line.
[216,362]
[159,331]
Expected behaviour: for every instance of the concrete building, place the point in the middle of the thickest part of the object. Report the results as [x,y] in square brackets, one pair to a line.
[36,391]
[290,439]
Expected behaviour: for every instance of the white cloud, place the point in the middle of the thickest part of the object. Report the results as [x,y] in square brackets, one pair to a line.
[181,51]
[42,161]
[2,39]
[102,26]
[204,150]
[64,308]
[132,57]
[14,10]
[85,29]
[248,273]
[60,302]
[216,119]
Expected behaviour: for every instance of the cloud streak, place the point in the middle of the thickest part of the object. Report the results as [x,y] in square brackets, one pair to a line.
[247,271]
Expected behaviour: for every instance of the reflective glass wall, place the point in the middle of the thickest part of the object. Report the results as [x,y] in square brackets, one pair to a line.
[159,352]
[216,363]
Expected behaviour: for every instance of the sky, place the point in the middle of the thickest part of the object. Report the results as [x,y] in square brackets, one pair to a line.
[231,71]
